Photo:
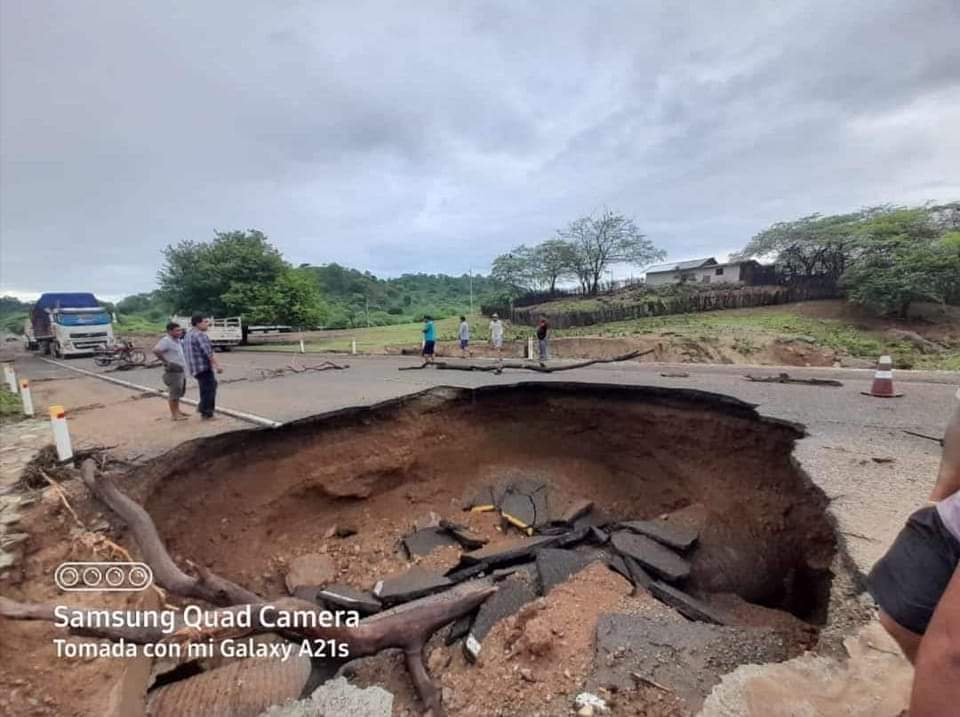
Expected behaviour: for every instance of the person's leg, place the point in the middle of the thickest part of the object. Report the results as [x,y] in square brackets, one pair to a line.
[213,392]
[206,385]
[542,347]
[908,640]
[909,580]
[183,391]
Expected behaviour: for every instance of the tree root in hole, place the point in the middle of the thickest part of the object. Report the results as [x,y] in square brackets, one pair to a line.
[407,627]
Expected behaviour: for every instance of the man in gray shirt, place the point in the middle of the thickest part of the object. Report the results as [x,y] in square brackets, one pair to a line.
[169,350]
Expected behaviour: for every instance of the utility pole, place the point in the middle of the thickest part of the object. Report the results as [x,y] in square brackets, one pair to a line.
[471,290]
[366,309]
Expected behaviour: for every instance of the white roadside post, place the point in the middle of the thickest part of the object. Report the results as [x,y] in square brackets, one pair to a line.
[301,346]
[530,348]
[25,397]
[353,348]
[10,376]
[61,434]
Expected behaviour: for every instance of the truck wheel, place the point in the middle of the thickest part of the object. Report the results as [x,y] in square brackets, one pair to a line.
[46,348]
[57,350]
[226,348]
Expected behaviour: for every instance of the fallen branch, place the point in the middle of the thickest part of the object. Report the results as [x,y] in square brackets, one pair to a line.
[523,365]
[922,435]
[208,586]
[407,627]
[786,378]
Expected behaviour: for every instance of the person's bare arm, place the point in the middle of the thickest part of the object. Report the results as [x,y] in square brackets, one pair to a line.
[948,480]
[936,682]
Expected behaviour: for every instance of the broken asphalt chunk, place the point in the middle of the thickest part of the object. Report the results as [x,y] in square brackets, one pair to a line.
[678,537]
[516,551]
[409,585]
[463,535]
[425,541]
[512,594]
[482,501]
[345,597]
[459,628]
[654,557]
[687,605]
[556,566]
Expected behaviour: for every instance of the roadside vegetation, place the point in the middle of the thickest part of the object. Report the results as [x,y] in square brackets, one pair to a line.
[11,409]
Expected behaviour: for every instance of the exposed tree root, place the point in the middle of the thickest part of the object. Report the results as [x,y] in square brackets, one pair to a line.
[407,627]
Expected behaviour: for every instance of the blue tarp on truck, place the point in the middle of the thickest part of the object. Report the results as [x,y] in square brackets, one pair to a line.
[66,300]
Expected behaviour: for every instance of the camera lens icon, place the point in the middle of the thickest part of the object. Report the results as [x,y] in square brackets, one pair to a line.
[103,576]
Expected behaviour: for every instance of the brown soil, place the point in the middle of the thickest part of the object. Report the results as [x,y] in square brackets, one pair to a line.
[245,503]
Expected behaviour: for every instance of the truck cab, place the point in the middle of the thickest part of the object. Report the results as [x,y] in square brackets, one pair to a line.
[69,324]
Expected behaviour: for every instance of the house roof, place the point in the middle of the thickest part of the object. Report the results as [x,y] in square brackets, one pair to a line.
[681,265]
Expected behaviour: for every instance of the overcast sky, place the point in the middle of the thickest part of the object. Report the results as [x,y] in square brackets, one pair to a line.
[430,136]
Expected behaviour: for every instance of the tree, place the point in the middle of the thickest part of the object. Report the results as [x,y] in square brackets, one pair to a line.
[599,242]
[902,255]
[198,276]
[239,273]
[553,260]
[515,269]
[814,245]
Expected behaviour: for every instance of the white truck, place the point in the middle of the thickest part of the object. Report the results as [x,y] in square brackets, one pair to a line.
[224,334]
[68,324]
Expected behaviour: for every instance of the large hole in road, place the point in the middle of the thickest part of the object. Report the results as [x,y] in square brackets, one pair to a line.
[245,502]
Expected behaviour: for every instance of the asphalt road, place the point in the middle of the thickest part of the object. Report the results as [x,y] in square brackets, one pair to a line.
[846,430]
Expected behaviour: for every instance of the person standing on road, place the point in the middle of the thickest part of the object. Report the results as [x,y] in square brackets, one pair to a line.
[169,350]
[917,586]
[542,328]
[496,335]
[463,333]
[429,339]
[202,364]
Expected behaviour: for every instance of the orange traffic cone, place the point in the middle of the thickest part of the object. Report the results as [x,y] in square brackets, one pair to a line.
[883,380]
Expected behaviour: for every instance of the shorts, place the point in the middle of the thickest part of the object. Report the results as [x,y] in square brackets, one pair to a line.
[428,347]
[176,383]
[910,579]
[464,343]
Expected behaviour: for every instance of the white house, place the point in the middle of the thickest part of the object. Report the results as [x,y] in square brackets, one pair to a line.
[704,271]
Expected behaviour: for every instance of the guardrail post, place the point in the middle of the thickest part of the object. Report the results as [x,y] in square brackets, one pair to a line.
[353,348]
[26,398]
[61,434]
[10,376]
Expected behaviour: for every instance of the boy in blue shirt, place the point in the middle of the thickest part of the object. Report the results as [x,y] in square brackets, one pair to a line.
[429,339]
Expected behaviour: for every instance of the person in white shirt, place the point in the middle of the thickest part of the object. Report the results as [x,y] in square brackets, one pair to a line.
[496,334]
[463,333]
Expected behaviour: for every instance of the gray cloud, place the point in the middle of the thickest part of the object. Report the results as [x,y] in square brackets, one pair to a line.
[430,137]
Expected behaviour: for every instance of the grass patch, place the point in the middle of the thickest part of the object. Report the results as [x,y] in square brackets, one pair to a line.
[377,338]
[11,409]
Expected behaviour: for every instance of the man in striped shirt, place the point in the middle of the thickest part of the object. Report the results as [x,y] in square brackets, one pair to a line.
[202,364]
